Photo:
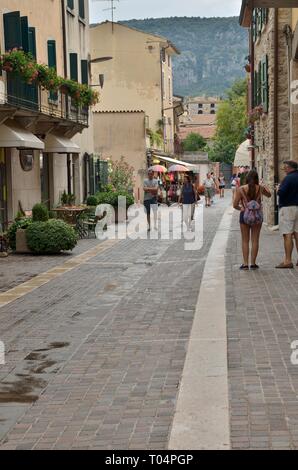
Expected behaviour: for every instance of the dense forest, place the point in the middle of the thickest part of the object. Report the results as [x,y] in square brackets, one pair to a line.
[213,51]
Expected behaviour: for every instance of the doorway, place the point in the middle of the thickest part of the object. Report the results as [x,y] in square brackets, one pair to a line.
[45,179]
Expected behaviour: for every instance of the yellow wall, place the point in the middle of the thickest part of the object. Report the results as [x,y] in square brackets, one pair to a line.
[294,18]
[133,78]
[122,134]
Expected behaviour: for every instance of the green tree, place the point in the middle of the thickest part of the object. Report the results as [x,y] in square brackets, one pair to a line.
[194,142]
[231,124]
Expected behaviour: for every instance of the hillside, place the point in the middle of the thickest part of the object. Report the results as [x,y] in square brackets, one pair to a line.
[213,51]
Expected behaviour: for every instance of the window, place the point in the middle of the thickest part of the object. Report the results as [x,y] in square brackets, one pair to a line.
[52,62]
[170,90]
[200,106]
[212,105]
[163,54]
[73,60]
[261,85]
[260,18]
[82,9]
[84,72]
[212,111]
[12,30]
[70,4]
[200,111]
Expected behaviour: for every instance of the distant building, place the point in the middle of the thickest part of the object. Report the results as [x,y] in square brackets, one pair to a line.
[202,105]
[138,79]
[203,124]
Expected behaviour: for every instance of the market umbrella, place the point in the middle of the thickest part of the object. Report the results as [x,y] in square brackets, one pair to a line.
[158,169]
[177,169]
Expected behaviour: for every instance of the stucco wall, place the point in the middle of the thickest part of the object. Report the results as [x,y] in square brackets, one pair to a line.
[133,78]
[122,134]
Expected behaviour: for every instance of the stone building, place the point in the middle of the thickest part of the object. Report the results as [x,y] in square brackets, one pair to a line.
[39,153]
[271,119]
[202,105]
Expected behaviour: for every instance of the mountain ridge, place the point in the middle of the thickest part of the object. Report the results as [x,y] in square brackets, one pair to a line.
[213,51]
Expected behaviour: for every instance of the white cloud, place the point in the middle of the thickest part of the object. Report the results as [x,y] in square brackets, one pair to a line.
[128,9]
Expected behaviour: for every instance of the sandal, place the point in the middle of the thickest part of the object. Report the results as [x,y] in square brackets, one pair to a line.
[244,267]
[254,267]
[285,266]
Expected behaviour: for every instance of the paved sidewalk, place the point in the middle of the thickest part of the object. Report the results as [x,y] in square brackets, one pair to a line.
[262,322]
[95,357]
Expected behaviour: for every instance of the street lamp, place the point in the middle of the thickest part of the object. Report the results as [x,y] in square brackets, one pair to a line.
[101,76]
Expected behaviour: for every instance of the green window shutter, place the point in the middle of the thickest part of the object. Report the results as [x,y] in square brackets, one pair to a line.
[82,9]
[70,4]
[25,33]
[254,25]
[73,58]
[12,30]
[52,62]
[255,88]
[32,41]
[260,84]
[265,84]
[84,72]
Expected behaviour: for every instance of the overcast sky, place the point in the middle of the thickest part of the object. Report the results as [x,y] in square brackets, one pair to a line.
[129,9]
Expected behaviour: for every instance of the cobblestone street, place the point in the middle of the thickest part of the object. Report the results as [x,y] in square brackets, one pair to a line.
[95,357]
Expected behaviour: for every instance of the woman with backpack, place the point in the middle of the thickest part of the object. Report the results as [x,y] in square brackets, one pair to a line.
[248,200]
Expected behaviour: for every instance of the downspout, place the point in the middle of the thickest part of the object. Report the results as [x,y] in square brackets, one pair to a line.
[276,115]
[64,48]
[252,87]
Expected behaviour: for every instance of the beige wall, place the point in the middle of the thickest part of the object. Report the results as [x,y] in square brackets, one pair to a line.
[28,192]
[294,18]
[122,134]
[133,78]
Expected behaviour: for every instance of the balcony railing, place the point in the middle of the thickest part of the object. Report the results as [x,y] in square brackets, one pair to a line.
[39,101]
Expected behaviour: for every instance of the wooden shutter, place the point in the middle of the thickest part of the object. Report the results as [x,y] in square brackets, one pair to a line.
[25,33]
[12,30]
[265,84]
[260,84]
[82,9]
[73,58]
[254,25]
[52,62]
[70,4]
[84,72]
[32,41]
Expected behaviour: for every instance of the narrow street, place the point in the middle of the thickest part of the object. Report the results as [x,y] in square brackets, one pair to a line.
[94,358]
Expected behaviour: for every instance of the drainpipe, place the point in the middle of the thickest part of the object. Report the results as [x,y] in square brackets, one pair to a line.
[63,10]
[252,87]
[276,141]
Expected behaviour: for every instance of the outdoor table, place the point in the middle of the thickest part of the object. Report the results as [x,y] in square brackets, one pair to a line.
[71,215]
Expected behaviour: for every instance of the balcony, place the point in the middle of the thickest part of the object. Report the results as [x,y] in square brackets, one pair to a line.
[41,112]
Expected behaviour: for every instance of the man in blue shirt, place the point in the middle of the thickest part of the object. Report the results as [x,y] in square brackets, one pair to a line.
[288,205]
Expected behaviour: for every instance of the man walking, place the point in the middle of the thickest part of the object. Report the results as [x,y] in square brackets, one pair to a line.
[288,204]
[150,198]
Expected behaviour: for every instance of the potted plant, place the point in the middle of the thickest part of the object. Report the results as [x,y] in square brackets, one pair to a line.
[64,198]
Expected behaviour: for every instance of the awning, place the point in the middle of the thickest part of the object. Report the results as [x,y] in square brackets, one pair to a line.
[14,136]
[242,156]
[59,144]
[172,160]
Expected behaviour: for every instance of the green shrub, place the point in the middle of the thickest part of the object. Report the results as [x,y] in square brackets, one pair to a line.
[112,198]
[92,201]
[40,213]
[22,223]
[49,237]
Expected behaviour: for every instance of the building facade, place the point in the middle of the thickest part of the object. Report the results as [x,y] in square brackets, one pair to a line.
[137,78]
[37,146]
[202,105]
[273,117]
